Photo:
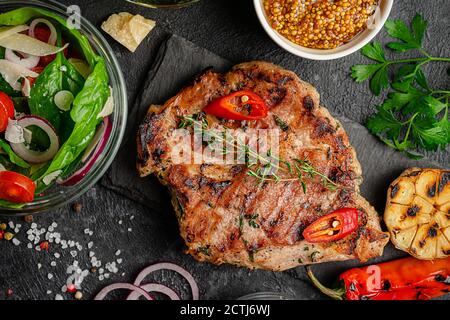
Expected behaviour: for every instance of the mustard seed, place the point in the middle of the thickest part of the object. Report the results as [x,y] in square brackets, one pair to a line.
[304,21]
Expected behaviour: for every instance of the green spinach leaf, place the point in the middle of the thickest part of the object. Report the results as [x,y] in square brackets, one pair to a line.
[86,107]
[59,75]
[14,158]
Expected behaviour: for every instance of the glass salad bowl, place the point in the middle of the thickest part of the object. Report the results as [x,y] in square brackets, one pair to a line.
[59,195]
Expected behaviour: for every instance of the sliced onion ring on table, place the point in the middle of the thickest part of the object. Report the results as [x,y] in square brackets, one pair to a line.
[28,61]
[115,286]
[154,287]
[98,144]
[32,156]
[53,34]
[169,266]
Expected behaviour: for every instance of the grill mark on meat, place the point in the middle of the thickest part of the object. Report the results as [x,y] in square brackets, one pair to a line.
[219,186]
[236,170]
[284,80]
[145,136]
[264,77]
[344,197]
[156,155]
[322,128]
[340,143]
[308,103]
[276,95]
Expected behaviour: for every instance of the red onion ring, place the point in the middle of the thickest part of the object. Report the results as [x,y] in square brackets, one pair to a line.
[53,34]
[36,156]
[154,287]
[83,171]
[169,266]
[104,292]
[28,61]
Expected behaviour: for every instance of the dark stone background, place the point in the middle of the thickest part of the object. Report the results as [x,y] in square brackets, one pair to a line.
[231,30]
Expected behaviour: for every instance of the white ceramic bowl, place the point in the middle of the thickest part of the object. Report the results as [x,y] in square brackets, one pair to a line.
[355,44]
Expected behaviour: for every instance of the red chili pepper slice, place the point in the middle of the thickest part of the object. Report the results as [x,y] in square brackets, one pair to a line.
[333,226]
[239,105]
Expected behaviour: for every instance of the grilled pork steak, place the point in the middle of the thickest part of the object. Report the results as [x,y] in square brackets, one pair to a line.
[226,215]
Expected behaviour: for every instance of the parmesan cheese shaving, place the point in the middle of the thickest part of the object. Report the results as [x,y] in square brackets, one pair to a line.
[14,132]
[12,72]
[129,30]
[9,31]
[26,44]
[51,177]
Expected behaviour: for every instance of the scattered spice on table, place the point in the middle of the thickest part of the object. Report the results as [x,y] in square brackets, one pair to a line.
[77,207]
[48,239]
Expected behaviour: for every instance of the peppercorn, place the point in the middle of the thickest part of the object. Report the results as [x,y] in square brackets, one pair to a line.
[77,207]
[93,270]
[78,295]
[8,236]
[319,24]
[28,218]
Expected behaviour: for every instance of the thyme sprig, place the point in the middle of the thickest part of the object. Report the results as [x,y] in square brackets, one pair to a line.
[271,165]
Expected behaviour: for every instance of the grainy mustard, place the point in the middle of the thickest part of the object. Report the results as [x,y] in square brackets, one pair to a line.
[319,24]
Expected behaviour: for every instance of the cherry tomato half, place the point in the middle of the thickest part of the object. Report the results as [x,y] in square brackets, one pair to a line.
[43,34]
[6,110]
[15,187]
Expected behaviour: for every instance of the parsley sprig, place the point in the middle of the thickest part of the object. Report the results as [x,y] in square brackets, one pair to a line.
[413,115]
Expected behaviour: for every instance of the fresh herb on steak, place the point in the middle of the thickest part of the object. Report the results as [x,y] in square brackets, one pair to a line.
[190,120]
[282,124]
[204,250]
[252,220]
[414,116]
[271,164]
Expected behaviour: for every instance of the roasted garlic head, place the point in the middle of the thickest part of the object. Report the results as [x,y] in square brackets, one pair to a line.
[418,213]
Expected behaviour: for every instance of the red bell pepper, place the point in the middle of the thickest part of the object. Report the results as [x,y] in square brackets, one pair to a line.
[333,226]
[403,279]
[239,105]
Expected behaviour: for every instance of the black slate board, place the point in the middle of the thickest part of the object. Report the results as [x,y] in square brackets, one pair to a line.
[178,62]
